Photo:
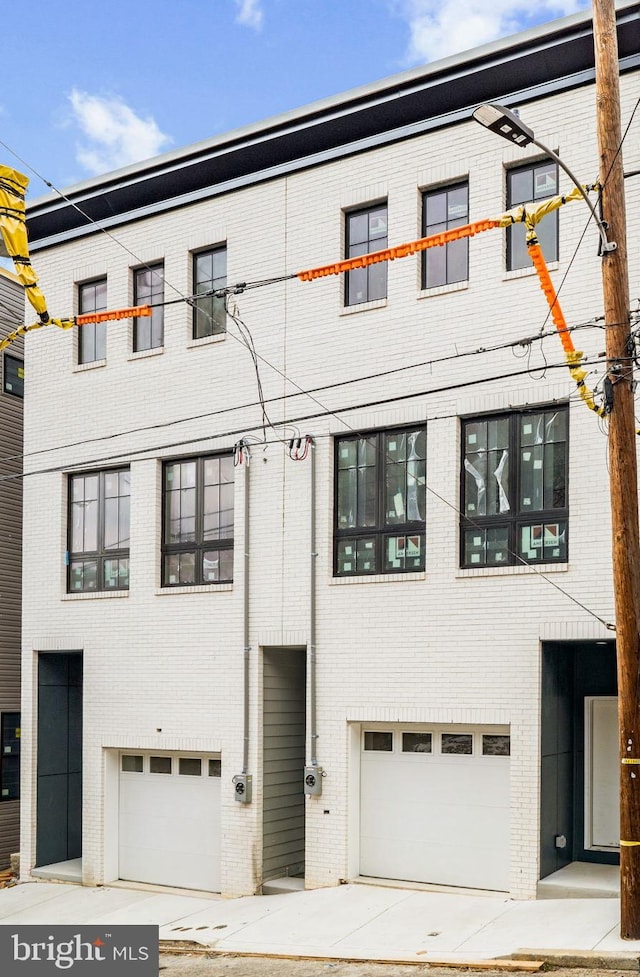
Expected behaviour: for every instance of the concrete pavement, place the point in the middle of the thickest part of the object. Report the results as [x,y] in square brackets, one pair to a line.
[354,921]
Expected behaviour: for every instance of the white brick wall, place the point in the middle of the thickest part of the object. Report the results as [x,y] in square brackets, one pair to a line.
[446,645]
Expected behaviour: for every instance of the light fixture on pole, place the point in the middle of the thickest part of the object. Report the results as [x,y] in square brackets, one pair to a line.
[510,126]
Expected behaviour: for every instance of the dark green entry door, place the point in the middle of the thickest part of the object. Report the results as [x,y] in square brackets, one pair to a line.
[59,770]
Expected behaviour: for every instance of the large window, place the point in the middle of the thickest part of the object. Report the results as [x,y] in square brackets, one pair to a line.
[197,546]
[515,498]
[99,531]
[148,289]
[13,376]
[366,231]
[442,210]
[209,275]
[380,502]
[92,337]
[531,184]
[10,757]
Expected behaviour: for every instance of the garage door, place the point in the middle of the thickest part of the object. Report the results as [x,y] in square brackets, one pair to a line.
[434,805]
[169,820]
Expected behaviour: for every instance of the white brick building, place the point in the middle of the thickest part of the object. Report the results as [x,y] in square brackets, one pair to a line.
[443,656]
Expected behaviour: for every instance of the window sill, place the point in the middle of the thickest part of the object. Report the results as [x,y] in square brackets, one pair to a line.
[426,293]
[142,354]
[206,588]
[378,578]
[528,272]
[512,570]
[363,307]
[95,594]
[94,365]
[218,337]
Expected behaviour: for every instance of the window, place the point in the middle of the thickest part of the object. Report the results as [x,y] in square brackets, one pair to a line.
[416,743]
[515,499]
[442,210]
[159,764]
[209,275]
[13,376]
[92,337]
[99,531]
[375,742]
[10,757]
[148,289]
[131,763]
[453,744]
[530,184]
[198,521]
[380,502]
[366,231]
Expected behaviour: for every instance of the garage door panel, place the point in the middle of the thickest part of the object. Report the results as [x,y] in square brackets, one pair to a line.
[433,817]
[169,828]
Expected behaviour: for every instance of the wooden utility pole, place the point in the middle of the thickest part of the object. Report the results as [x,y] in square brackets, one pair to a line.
[622,459]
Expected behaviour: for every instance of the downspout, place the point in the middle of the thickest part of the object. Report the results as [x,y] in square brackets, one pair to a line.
[313,735]
[245,619]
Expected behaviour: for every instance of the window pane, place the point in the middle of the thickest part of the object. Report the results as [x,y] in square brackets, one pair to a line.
[13,379]
[416,743]
[215,768]
[457,743]
[496,744]
[544,542]
[9,778]
[378,742]
[190,766]
[160,764]
[404,553]
[132,764]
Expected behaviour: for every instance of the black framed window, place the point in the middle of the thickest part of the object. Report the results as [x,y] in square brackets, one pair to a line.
[514,488]
[380,495]
[148,289]
[10,757]
[92,337]
[13,375]
[442,210]
[197,540]
[531,184]
[366,231]
[209,275]
[99,531]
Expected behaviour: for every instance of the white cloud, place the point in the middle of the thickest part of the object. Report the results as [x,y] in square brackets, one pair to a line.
[442,27]
[115,136]
[250,13]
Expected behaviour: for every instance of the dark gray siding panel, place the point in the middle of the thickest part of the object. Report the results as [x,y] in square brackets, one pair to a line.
[11,315]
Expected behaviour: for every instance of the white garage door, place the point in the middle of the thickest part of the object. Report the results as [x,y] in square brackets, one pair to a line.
[434,805]
[169,821]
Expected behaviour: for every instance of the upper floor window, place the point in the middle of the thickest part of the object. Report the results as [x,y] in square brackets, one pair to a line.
[442,210]
[531,184]
[10,756]
[148,289]
[197,539]
[366,231]
[515,498]
[99,530]
[380,502]
[13,375]
[92,337]
[209,275]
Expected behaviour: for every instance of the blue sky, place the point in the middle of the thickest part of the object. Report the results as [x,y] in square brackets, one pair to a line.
[90,86]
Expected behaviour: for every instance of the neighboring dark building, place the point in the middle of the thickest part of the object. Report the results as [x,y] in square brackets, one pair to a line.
[11,400]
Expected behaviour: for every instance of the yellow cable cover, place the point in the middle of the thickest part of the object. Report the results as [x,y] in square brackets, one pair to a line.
[13,234]
[531,214]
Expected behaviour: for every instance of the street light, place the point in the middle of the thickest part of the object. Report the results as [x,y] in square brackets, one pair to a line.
[510,126]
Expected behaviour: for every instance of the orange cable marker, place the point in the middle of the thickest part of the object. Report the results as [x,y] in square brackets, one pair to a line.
[399,251]
[131,313]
